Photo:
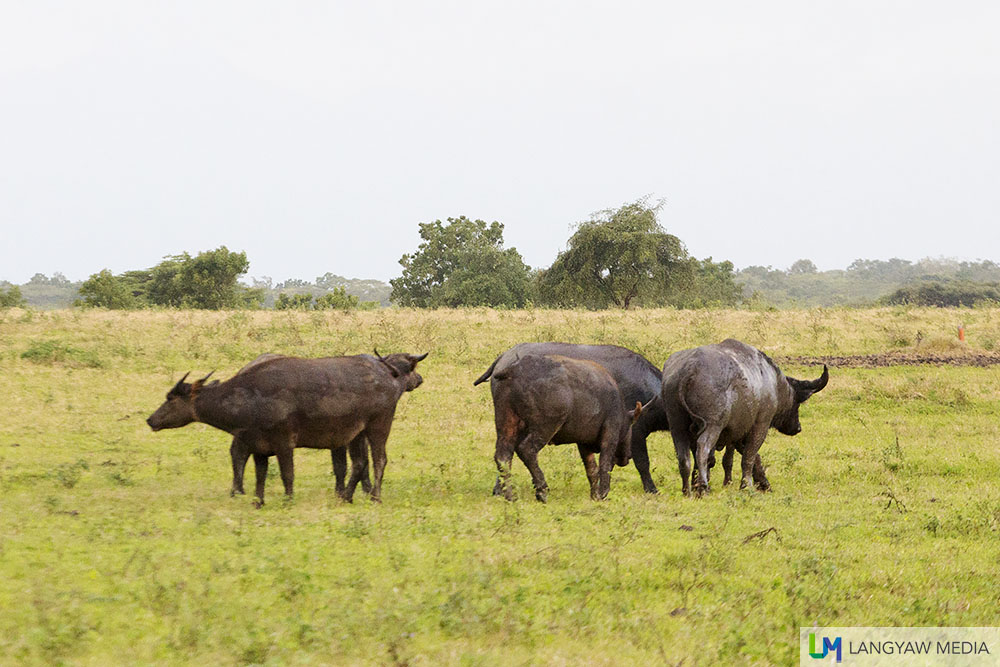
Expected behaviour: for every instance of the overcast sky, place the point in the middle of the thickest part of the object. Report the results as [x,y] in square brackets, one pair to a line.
[316,135]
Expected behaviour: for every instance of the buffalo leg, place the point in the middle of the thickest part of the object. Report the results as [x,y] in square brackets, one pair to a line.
[338,456]
[377,436]
[239,453]
[751,457]
[527,450]
[590,466]
[260,468]
[286,465]
[606,463]
[705,446]
[359,467]
[727,464]
[759,478]
[640,456]
[503,457]
[362,453]
[682,446]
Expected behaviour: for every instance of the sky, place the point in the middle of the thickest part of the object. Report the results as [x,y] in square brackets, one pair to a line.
[315,136]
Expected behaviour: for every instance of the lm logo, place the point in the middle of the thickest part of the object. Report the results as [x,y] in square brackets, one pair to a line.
[828,646]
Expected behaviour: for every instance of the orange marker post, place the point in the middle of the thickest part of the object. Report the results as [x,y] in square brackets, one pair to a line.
[961,332]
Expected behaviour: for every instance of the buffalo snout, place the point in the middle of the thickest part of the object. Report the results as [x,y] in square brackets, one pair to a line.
[413,380]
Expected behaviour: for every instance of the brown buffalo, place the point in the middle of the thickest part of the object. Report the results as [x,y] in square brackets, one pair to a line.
[276,404]
[543,399]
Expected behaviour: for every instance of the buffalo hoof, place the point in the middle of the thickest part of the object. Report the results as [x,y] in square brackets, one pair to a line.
[498,488]
[236,492]
[700,490]
[258,503]
[764,486]
[542,496]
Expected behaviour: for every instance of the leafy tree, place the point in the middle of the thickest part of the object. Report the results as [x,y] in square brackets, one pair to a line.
[12,297]
[462,263]
[336,299]
[713,285]
[208,281]
[620,257]
[105,290]
[802,266]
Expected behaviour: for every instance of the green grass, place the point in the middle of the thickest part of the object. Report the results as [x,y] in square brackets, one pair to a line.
[121,545]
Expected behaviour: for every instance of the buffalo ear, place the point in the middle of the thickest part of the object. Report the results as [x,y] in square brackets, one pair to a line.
[635,414]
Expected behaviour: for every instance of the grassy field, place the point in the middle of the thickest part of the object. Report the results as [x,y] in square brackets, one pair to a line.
[120,545]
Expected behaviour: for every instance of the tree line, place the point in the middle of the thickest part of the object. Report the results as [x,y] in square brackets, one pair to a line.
[618,258]
[928,282]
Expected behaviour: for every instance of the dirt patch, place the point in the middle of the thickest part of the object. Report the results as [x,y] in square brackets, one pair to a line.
[899,358]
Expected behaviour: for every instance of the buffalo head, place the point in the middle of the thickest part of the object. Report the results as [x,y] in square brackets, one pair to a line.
[787,420]
[178,410]
[404,366]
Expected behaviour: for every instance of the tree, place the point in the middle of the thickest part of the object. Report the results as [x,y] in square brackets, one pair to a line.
[105,290]
[714,284]
[619,257]
[802,266]
[12,297]
[208,281]
[462,263]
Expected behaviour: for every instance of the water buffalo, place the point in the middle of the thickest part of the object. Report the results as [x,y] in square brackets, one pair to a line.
[273,406]
[551,398]
[338,455]
[728,395]
[637,380]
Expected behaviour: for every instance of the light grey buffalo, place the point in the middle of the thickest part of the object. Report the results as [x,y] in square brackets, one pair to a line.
[726,396]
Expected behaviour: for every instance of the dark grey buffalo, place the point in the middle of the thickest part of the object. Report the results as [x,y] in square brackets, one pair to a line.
[551,398]
[338,455]
[278,403]
[638,381]
[726,396]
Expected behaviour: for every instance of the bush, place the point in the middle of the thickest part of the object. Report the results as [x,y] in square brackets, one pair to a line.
[12,297]
[945,294]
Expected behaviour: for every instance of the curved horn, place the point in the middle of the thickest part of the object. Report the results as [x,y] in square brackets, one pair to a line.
[415,359]
[180,382]
[394,371]
[815,385]
[202,381]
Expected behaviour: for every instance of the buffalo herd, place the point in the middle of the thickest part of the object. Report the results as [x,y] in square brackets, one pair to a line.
[605,399]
